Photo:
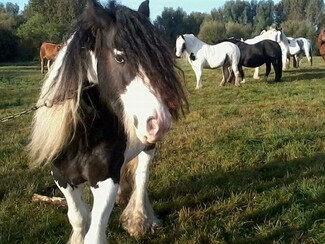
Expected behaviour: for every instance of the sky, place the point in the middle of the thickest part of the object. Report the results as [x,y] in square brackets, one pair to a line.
[157,6]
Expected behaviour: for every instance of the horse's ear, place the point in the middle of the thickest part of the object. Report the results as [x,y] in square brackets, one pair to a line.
[94,17]
[183,36]
[144,8]
[91,7]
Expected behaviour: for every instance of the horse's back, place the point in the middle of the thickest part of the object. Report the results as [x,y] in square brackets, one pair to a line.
[49,50]
[216,55]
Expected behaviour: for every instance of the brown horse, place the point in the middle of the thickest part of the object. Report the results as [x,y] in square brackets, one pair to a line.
[321,43]
[49,52]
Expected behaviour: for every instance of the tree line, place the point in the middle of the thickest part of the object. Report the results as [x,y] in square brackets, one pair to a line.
[21,32]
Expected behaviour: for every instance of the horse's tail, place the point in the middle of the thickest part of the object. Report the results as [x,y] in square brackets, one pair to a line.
[278,68]
[55,121]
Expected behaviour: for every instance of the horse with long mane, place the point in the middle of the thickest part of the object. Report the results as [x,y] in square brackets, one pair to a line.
[48,51]
[299,47]
[321,43]
[254,55]
[201,55]
[112,93]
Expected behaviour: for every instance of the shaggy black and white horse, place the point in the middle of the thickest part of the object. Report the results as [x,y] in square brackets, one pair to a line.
[112,93]
[254,55]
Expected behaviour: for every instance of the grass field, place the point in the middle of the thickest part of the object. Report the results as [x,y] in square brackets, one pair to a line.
[246,165]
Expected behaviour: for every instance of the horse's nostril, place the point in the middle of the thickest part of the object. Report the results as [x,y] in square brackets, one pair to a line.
[152,125]
[150,119]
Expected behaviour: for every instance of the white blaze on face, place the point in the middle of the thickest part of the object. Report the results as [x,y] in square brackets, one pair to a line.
[179,46]
[144,112]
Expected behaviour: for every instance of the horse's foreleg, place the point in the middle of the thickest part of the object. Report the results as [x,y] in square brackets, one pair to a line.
[198,74]
[104,194]
[42,66]
[255,76]
[48,65]
[138,217]
[309,58]
[78,212]
[296,61]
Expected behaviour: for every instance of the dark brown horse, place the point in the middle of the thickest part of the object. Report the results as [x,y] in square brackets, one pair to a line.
[49,52]
[321,43]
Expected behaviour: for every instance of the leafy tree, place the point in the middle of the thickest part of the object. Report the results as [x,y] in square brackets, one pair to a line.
[9,18]
[217,14]
[171,23]
[56,11]
[264,15]
[8,45]
[239,12]
[315,10]
[212,31]
[193,22]
[36,30]
[12,8]
[7,21]
[238,31]
[294,9]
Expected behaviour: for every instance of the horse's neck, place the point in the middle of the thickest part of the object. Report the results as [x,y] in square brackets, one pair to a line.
[193,44]
[284,38]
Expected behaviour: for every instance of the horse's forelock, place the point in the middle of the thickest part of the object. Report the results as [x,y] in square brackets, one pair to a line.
[144,47]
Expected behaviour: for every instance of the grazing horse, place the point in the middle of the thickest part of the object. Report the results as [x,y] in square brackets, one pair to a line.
[254,55]
[305,48]
[48,51]
[110,95]
[321,43]
[201,55]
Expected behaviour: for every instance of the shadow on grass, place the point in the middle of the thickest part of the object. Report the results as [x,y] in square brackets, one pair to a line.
[254,180]
[303,74]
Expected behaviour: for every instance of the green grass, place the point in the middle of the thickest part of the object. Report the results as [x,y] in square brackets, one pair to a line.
[246,165]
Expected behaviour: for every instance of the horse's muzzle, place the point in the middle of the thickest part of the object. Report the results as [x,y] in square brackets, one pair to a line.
[157,127]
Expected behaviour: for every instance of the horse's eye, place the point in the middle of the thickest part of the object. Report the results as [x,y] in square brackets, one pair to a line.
[119,56]
[119,59]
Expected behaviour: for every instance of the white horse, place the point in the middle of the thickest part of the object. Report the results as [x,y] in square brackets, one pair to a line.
[201,55]
[305,48]
[274,35]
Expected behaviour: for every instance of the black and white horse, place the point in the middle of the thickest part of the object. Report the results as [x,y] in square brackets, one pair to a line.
[112,93]
[203,56]
[254,55]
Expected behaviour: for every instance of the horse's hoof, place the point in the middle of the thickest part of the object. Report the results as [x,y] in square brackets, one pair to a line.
[138,226]
[256,77]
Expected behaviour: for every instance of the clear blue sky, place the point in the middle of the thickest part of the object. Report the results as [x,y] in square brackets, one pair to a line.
[157,6]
